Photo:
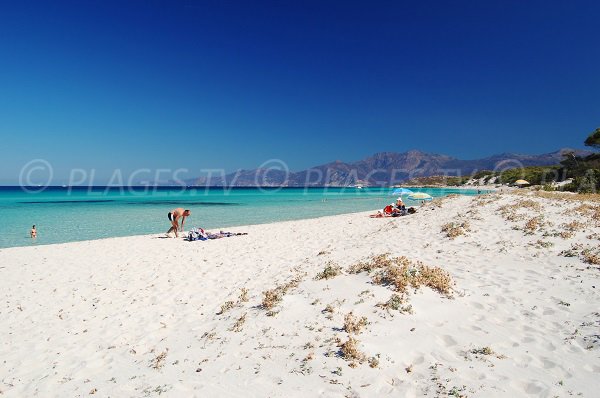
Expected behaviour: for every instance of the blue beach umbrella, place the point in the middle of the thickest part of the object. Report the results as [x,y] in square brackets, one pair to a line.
[401,191]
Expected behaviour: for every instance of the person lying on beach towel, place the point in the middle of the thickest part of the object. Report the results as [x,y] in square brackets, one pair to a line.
[200,234]
[223,234]
[399,209]
[197,234]
[387,211]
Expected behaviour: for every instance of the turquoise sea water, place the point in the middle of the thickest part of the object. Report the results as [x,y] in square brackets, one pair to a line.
[74,214]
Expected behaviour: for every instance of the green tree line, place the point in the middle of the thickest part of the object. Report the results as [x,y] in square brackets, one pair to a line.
[584,170]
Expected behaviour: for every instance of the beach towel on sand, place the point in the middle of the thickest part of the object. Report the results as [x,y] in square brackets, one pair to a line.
[197,234]
[200,234]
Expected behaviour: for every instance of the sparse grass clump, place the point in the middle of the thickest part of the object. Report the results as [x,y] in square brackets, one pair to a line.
[350,352]
[482,200]
[541,244]
[533,224]
[229,304]
[374,362]
[510,211]
[331,270]
[482,351]
[243,297]
[573,226]
[239,324]
[440,201]
[591,256]
[586,209]
[587,254]
[566,234]
[274,296]
[402,273]
[507,212]
[572,252]
[380,261]
[329,309]
[394,303]
[415,275]
[473,214]
[159,361]
[354,325]
[226,307]
[271,298]
[456,228]
[397,303]
[566,196]
[527,204]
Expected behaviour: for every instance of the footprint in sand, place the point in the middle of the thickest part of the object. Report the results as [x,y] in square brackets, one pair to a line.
[476,318]
[549,346]
[526,328]
[548,311]
[419,360]
[523,360]
[548,363]
[527,340]
[532,387]
[592,368]
[448,341]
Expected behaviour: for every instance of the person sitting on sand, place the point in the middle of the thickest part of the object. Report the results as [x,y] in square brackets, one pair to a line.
[399,208]
[174,216]
[33,232]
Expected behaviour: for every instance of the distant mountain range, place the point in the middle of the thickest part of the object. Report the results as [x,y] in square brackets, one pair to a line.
[381,169]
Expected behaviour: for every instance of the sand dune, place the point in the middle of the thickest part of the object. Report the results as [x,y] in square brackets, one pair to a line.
[147,316]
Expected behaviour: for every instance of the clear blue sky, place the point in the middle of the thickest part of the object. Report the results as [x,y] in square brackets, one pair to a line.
[194,84]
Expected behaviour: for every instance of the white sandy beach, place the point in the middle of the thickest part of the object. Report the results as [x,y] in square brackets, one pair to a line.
[140,316]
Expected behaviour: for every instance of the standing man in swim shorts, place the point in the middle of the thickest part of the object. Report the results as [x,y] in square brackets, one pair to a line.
[174,216]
